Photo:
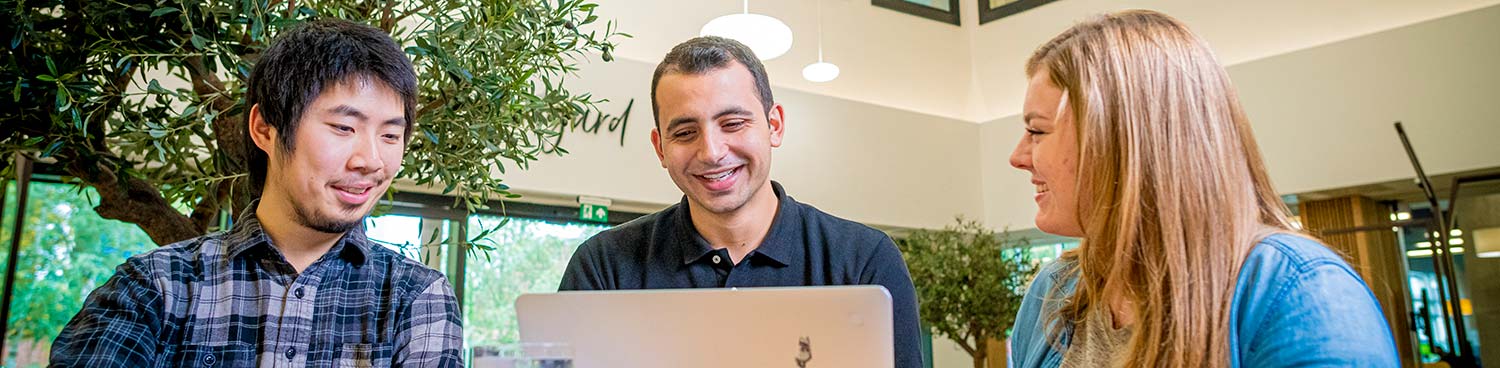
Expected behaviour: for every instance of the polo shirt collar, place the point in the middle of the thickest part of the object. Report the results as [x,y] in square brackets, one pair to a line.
[780,241]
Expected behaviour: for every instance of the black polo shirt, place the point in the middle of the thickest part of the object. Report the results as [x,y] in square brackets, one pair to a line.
[805,247]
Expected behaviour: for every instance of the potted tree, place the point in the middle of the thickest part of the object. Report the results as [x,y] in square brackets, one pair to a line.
[969,282]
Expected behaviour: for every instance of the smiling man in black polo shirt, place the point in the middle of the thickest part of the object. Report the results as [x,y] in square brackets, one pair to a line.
[716,124]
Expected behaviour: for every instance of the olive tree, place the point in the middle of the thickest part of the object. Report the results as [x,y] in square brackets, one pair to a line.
[142,99]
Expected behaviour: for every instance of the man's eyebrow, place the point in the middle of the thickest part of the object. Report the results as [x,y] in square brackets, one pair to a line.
[349,111]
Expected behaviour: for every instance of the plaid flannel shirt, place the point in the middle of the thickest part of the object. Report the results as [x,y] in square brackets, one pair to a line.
[230,299]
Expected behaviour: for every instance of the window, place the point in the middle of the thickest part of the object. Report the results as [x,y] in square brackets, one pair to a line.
[522,250]
[66,251]
[529,256]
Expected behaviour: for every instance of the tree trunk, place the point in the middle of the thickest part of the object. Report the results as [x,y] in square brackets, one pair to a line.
[136,201]
[981,352]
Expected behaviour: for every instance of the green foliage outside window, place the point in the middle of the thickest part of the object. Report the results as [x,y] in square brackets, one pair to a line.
[529,257]
[67,251]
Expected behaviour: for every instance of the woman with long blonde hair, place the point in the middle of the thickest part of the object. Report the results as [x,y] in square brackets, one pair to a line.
[1136,142]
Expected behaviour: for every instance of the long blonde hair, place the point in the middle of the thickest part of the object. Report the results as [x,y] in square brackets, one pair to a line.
[1172,189]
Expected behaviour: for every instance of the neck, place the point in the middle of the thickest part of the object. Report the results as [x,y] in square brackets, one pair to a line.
[742,230]
[299,244]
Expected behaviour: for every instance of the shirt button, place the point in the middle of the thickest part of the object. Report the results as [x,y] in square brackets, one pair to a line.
[716,258]
[290,352]
[209,359]
[299,293]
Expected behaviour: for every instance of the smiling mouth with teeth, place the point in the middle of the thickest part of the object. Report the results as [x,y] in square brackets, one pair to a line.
[720,176]
[353,190]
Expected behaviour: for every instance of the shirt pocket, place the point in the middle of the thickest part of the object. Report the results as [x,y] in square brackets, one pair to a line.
[364,355]
[215,354]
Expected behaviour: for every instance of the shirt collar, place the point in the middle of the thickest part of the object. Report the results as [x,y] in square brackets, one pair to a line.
[776,247]
[246,234]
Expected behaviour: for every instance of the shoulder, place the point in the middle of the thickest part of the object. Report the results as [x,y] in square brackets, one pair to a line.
[1298,303]
[1282,264]
[630,237]
[412,276]
[177,261]
[837,228]
[1294,252]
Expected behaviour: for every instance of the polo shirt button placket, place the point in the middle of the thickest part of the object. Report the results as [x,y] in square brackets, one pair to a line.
[717,259]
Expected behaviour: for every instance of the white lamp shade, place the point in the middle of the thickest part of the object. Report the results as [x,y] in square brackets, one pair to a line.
[820,72]
[766,36]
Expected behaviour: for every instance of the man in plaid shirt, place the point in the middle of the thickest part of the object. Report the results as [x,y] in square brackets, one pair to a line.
[295,282]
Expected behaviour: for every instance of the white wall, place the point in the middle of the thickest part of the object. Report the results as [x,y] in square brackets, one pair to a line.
[887,58]
[1007,190]
[872,164]
[1323,115]
[1239,31]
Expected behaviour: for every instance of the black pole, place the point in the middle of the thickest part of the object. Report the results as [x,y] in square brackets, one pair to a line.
[23,185]
[1426,314]
[1465,350]
[1439,270]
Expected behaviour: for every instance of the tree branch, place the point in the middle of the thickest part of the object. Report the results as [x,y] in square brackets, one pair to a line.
[207,208]
[386,22]
[136,201]
[964,340]
[432,105]
[205,82]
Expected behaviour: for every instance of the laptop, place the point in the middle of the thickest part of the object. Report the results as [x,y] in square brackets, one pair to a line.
[799,327]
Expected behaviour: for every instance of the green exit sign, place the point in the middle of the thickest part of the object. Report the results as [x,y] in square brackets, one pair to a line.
[593,212]
[593,209]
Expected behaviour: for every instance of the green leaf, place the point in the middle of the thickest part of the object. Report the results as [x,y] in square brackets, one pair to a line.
[78,122]
[62,101]
[51,149]
[52,68]
[163,11]
[257,28]
[46,78]
[32,141]
[154,87]
[198,41]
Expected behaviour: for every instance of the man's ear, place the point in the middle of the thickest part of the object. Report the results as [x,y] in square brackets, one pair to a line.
[776,120]
[656,144]
[263,134]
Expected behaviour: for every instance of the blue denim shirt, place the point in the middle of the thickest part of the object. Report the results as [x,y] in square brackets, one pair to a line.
[1296,304]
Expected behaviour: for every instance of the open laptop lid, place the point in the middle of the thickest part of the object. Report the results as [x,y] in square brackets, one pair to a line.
[836,326]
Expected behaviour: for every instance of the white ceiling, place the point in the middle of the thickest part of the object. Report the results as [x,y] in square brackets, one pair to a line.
[973,73]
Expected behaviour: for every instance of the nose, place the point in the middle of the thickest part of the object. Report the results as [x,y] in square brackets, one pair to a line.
[1020,158]
[365,156]
[713,146]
